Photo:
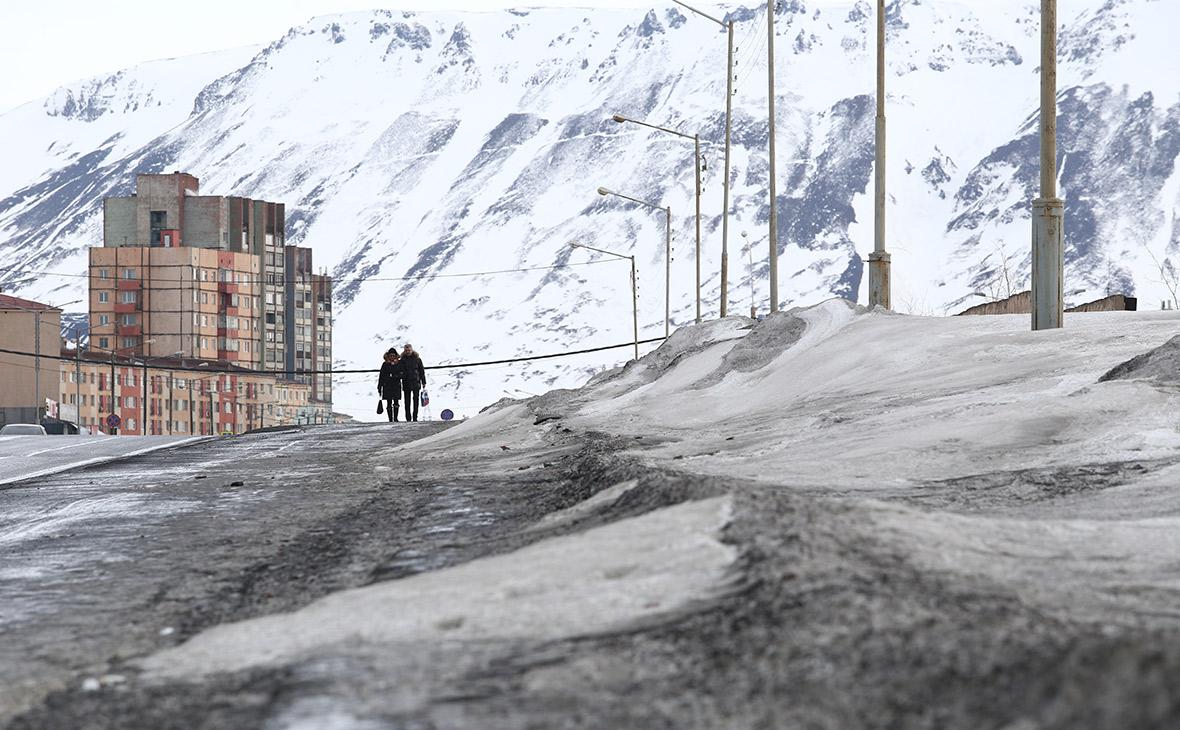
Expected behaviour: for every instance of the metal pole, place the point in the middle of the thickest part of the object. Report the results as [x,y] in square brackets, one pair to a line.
[37,366]
[1048,238]
[143,429]
[697,152]
[112,403]
[879,259]
[634,306]
[773,193]
[212,420]
[725,184]
[78,380]
[668,273]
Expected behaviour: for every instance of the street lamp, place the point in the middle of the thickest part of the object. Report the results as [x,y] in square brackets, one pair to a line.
[696,140]
[879,260]
[1048,235]
[634,289]
[728,26]
[667,253]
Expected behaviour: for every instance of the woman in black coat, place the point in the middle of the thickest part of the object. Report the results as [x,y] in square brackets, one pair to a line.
[389,385]
[413,375]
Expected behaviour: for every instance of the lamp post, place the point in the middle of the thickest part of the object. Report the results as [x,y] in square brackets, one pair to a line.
[773,185]
[696,139]
[1048,235]
[634,289]
[879,259]
[667,254]
[728,26]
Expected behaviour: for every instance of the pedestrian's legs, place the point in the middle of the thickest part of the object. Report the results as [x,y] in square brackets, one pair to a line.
[411,401]
[394,409]
[389,409]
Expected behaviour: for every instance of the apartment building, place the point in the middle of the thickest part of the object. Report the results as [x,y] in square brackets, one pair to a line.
[309,324]
[186,275]
[170,302]
[27,326]
[170,398]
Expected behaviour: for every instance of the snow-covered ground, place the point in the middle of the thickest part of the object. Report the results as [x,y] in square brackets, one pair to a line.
[841,398]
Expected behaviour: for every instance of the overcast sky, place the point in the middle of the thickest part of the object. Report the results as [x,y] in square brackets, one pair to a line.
[48,43]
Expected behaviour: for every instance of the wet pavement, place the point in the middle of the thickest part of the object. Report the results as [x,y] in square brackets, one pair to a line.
[112,561]
[25,457]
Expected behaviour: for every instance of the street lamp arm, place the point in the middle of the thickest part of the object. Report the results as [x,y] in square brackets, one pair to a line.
[619,118]
[690,8]
[604,191]
[599,250]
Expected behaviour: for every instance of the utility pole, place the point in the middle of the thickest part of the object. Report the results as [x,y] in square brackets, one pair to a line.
[1048,236]
[697,157]
[727,24]
[879,259]
[773,192]
[725,183]
[668,273]
[78,380]
[37,366]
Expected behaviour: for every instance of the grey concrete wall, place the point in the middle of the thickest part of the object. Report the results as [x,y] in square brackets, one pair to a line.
[206,222]
[118,221]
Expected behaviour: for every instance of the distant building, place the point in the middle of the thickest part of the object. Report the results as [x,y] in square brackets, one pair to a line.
[309,323]
[27,326]
[173,398]
[211,278]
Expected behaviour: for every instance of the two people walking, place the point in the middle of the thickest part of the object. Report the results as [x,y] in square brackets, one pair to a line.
[401,375]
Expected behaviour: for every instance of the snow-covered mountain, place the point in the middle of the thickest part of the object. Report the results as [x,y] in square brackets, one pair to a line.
[415,148]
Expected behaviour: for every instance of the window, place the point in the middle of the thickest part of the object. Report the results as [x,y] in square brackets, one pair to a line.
[103,320]
[158,221]
[102,273]
[131,424]
[128,273]
[128,319]
[130,341]
[104,297]
[204,297]
[104,343]
[129,402]
[127,297]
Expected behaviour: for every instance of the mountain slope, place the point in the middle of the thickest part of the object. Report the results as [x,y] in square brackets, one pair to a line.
[412,148]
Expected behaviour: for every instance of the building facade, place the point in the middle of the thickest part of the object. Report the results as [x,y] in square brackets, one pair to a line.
[27,381]
[309,324]
[191,276]
[174,398]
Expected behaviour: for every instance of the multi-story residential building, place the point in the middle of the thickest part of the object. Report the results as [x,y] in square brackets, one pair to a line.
[27,326]
[211,278]
[190,302]
[309,324]
[168,398]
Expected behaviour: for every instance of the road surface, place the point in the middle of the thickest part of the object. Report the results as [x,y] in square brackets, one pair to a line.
[25,457]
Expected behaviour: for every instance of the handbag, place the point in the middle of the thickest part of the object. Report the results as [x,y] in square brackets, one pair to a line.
[380,407]
[425,398]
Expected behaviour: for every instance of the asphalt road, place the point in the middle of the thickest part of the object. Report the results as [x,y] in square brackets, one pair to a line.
[25,457]
[838,616]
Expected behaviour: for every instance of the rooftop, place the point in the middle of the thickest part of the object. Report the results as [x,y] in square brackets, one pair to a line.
[11,302]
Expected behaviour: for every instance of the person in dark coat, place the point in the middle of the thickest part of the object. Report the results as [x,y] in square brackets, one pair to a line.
[413,375]
[389,385]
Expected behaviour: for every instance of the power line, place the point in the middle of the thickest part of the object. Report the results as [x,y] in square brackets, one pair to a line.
[335,282]
[243,371]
